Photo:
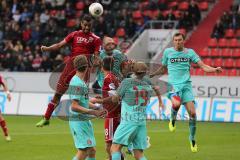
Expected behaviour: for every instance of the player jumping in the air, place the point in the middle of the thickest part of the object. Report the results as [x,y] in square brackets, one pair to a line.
[2,121]
[134,94]
[177,61]
[83,42]
[82,130]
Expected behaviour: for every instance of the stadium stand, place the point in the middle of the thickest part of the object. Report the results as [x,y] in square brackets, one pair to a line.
[27,24]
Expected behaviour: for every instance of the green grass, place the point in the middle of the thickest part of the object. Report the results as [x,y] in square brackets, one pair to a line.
[216,141]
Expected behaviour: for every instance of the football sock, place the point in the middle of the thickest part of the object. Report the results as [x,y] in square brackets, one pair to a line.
[75,158]
[4,127]
[91,158]
[50,109]
[192,128]
[116,156]
[173,115]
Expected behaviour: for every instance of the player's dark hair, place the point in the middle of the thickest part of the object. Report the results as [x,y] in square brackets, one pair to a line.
[87,18]
[179,34]
[82,68]
[108,63]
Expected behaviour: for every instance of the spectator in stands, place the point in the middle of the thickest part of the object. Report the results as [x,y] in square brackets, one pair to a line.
[46,65]
[218,30]
[194,12]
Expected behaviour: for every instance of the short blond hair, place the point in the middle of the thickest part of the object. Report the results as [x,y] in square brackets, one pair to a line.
[80,62]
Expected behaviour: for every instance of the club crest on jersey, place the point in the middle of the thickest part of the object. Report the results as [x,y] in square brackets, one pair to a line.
[174,60]
[82,39]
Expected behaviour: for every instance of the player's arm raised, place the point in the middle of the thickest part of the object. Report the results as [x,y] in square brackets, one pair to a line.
[54,47]
[208,68]
[161,71]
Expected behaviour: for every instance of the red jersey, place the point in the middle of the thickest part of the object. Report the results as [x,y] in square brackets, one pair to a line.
[83,43]
[111,83]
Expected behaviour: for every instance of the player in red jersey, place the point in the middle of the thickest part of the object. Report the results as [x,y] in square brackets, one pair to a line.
[2,121]
[110,84]
[82,42]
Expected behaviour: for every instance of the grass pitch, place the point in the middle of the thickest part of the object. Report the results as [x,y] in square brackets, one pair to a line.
[216,141]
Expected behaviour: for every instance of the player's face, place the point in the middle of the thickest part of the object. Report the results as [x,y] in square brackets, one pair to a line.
[86,26]
[178,42]
[109,47]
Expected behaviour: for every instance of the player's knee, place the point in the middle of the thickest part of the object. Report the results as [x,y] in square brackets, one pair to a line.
[176,102]
[193,114]
[115,148]
[91,152]
[57,97]
[138,154]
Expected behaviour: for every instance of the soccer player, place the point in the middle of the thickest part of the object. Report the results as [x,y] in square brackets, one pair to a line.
[120,59]
[134,94]
[82,42]
[2,121]
[110,84]
[82,131]
[177,61]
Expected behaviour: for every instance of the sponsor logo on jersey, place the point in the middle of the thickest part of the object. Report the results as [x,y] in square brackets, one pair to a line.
[176,60]
[85,40]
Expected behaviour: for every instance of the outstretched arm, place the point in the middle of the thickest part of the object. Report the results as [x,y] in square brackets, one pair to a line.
[157,91]
[54,47]
[161,71]
[208,68]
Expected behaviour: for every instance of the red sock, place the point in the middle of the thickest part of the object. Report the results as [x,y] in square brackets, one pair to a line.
[50,109]
[4,127]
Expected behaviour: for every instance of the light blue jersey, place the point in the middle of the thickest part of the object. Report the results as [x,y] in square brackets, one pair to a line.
[119,58]
[135,95]
[178,64]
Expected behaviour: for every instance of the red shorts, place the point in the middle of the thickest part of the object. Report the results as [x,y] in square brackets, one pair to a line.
[68,72]
[110,126]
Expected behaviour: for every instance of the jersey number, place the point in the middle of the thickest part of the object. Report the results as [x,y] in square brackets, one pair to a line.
[143,94]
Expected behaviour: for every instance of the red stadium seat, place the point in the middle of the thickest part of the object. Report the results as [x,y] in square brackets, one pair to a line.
[212,42]
[229,33]
[232,72]
[71,23]
[224,73]
[137,14]
[120,32]
[208,61]
[183,6]
[172,4]
[199,72]
[237,64]
[177,14]
[226,52]
[80,5]
[165,13]
[236,53]
[204,52]
[238,33]
[203,6]
[228,63]
[217,62]
[234,43]
[215,52]
[154,14]
[222,43]
[116,39]
[183,31]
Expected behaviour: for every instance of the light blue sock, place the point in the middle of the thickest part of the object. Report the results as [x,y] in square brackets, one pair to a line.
[130,147]
[192,128]
[173,115]
[116,156]
[143,158]
[91,158]
[75,158]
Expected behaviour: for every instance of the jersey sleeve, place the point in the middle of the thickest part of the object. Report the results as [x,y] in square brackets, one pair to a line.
[69,37]
[97,44]
[194,57]
[122,88]
[1,80]
[164,58]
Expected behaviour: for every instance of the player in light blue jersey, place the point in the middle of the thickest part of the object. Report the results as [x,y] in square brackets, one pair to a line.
[177,61]
[82,130]
[119,58]
[134,94]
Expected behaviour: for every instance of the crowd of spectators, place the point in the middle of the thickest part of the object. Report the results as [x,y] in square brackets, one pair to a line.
[25,25]
[229,20]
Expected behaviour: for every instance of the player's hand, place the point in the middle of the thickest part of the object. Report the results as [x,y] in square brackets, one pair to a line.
[96,100]
[218,70]
[99,113]
[44,48]
[9,97]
